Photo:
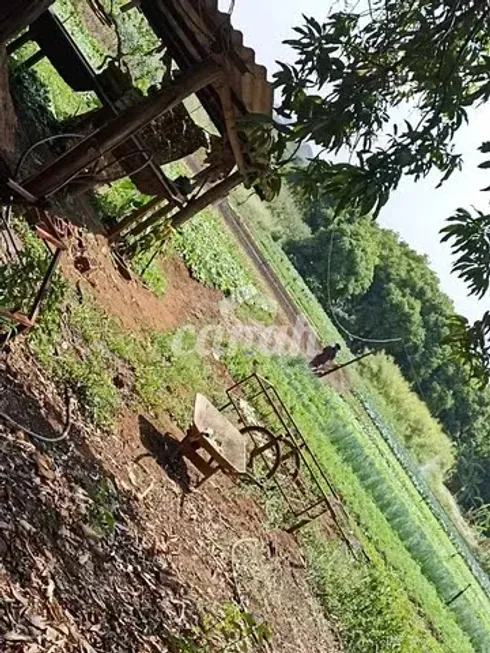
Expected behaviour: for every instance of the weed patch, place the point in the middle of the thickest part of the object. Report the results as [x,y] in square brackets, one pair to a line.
[232,629]
[212,254]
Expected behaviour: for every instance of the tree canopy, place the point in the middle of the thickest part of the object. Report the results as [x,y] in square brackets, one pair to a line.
[354,76]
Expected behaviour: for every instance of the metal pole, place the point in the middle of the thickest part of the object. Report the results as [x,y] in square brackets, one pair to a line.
[351,362]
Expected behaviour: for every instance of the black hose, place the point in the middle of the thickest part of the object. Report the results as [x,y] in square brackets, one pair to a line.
[33,434]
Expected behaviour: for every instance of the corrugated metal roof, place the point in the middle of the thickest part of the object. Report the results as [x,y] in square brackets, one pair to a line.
[194,30]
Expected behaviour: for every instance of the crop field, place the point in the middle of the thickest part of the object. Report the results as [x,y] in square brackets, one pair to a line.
[395,506]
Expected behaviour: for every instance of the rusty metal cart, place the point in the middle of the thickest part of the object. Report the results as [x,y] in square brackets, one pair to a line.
[213,443]
[54,233]
[296,473]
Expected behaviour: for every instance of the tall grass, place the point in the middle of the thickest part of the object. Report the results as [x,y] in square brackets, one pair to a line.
[365,601]
[419,431]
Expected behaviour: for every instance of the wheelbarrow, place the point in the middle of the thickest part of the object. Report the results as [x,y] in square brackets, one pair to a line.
[214,444]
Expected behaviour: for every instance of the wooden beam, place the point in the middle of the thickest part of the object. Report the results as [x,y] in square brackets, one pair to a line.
[153,219]
[86,152]
[209,197]
[15,15]
[34,59]
[130,5]
[20,41]
[133,217]
[231,130]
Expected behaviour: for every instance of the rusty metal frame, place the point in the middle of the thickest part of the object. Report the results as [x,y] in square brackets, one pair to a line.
[46,227]
[323,495]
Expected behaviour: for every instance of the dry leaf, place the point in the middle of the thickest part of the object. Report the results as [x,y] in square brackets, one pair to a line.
[90,533]
[132,478]
[146,492]
[50,590]
[14,636]
[26,526]
[33,648]
[37,621]
[44,467]
[17,595]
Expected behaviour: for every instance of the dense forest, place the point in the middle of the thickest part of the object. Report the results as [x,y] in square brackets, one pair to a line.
[378,288]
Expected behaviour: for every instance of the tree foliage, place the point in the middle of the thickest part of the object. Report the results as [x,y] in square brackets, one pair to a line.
[355,76]
[349,252]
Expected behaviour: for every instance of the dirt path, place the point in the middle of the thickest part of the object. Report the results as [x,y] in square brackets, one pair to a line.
[136,308]
[279,292]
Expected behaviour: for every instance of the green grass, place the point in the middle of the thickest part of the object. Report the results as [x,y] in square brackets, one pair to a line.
[81,347]
[365,601]
[418,539]
[211,253]
[402,408]
[106,366]
[74,23]
[206,246]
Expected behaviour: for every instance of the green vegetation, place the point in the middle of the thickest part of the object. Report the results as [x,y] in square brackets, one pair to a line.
[402,533]
[405,412]
[232,629]
[214,258]
[118,199]
[350,75]
[381,393]
[86,350]
[256,216]
[422,590]
[392,293]
[365,601]
[73,20]
[102,511]
[149,270]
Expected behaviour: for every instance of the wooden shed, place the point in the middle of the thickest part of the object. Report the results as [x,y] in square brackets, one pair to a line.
[214,64]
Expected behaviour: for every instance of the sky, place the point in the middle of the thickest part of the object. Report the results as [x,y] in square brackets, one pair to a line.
[416,211]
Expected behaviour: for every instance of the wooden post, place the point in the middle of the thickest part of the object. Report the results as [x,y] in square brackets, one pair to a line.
[22,40]
[17,14]
[133,217]
[209,197]
[116,131]
[34,59]
[153,219]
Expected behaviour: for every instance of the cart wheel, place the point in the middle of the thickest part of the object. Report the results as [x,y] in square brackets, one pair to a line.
[264,453]
[290,459]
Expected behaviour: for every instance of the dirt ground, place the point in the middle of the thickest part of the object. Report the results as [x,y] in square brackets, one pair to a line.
[173,553]
[136,308]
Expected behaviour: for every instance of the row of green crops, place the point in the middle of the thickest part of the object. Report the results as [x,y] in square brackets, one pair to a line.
[388,446]
[365,396]
[400,532]
[214,258]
